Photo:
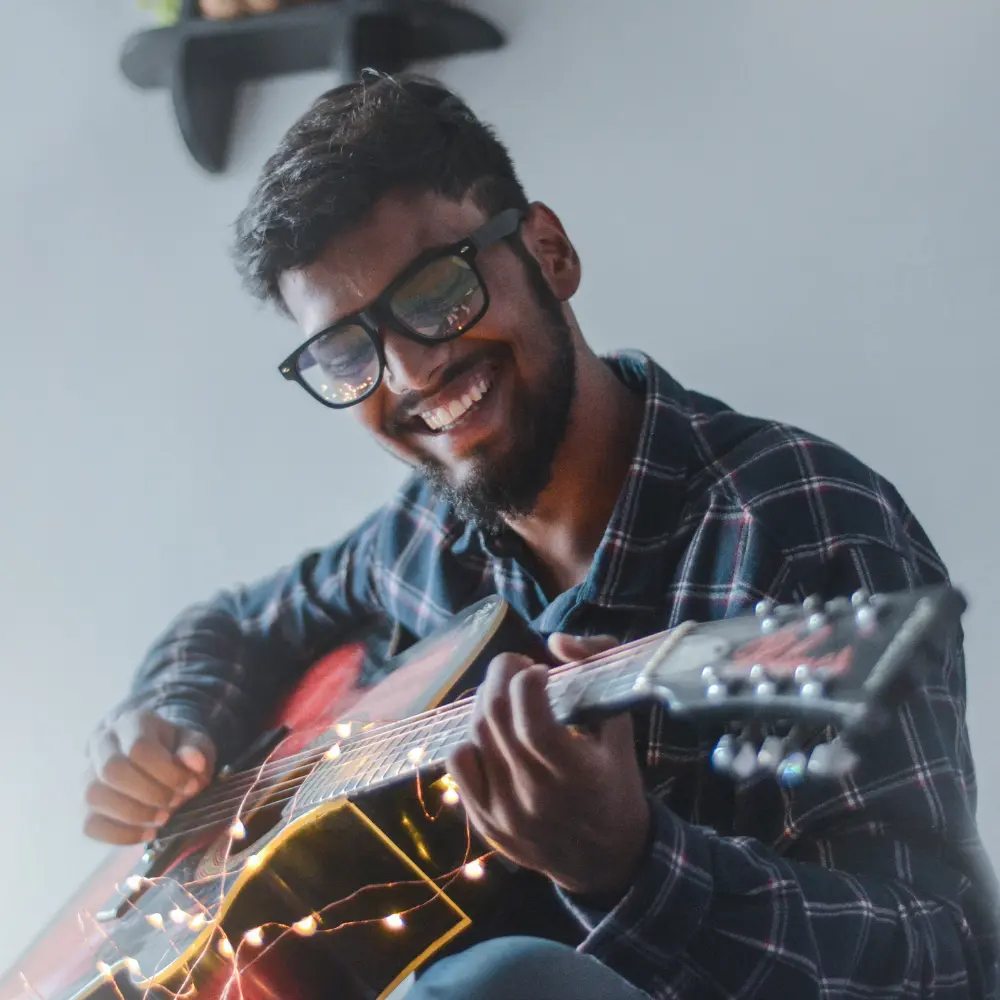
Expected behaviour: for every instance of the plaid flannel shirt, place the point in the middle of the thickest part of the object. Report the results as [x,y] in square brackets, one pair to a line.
[872,887]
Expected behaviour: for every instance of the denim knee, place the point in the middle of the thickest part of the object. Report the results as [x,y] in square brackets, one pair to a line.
[521,968]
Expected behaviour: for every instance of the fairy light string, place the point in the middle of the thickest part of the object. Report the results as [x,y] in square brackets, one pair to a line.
[423,740]
[287,774]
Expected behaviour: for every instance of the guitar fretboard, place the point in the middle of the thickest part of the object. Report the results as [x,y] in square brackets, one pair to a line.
[392,751]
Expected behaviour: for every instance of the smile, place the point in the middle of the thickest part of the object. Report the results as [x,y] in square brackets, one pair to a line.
[449,413]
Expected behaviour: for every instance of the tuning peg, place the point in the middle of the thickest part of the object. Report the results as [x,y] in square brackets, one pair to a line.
[792,770]
[839,607]
[772,749]
[816,621]
[745,762]
[812,603]
[764,608]
[714,688]
[866,617]
[860,597]
[763,686]
[725,753]
[831,760]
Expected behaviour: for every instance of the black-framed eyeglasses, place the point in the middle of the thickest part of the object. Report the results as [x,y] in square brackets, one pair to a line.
[438,297]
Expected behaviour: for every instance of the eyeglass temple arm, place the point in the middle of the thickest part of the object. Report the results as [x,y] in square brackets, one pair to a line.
[499,227]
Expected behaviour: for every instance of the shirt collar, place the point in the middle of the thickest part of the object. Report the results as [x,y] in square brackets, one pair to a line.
[630,565]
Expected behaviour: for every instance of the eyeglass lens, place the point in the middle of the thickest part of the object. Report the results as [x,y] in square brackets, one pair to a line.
[440,301]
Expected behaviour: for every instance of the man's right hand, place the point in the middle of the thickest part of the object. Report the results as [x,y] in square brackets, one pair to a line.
[142,767]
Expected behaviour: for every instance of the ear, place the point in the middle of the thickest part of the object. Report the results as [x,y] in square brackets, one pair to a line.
[545,239]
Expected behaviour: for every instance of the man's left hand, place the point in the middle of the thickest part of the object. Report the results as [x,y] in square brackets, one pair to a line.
[567,803]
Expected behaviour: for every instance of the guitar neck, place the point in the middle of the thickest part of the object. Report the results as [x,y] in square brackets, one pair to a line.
[578,692]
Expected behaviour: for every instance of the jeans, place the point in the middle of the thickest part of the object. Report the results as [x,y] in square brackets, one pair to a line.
[521,968]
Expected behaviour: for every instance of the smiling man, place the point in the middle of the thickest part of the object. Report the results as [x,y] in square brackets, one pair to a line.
[601,499]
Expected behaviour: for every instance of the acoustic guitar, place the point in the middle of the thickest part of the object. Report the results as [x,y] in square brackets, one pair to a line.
[339,862]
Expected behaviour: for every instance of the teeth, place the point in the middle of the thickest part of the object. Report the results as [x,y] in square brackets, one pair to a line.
[444,416]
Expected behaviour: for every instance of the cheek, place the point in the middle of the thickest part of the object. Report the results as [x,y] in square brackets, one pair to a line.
[371,414]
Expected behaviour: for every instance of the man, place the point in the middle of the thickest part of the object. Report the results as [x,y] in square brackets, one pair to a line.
[600,498]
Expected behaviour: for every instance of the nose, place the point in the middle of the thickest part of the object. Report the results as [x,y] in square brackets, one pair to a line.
[409,366]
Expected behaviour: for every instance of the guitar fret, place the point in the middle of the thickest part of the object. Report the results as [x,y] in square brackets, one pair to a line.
[380,758]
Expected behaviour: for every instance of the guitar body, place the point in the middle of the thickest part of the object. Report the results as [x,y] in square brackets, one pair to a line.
[340,862]
[343,865]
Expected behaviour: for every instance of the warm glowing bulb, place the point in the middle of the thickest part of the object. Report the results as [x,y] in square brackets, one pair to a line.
[474,870]
[394,922]
[254,937]
[334,752]
[343,729]
[450,796]
[178,916]
[105,970]
[237,831]
[253,861]
[225,948]
[306,926]
[155,920]
[197,921]
[134,882]
[133,967]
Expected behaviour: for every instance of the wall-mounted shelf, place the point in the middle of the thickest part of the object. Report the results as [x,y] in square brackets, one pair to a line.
[203,62]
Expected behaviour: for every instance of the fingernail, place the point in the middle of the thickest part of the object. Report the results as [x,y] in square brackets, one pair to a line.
[194,759]
[161,817]
[190,788]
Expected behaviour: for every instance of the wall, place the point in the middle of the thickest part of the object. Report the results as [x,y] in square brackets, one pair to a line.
[792,206]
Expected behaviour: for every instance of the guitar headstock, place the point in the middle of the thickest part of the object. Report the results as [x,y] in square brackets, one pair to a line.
[844,663]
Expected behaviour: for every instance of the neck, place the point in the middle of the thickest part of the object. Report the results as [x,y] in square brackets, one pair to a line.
[572,513]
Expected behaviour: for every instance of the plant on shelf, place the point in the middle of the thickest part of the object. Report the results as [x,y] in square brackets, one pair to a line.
[222,10]
[165,11]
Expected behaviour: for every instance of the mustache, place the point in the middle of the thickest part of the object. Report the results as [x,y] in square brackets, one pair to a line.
[413,402]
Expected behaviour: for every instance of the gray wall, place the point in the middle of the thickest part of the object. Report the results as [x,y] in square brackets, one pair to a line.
[793,206]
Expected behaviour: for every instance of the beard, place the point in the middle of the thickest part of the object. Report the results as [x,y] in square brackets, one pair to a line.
[508,485]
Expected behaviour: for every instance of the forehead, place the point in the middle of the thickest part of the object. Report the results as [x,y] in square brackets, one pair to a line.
[355,267]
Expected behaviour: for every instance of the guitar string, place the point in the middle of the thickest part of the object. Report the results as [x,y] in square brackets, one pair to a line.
[619,656]
[363,748]
[280,802]
[369,778]
[340,788]
[223,805]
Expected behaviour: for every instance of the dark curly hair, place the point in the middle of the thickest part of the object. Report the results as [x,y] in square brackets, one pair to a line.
[356,144]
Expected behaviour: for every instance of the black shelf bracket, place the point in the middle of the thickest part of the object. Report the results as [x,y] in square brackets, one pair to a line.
[203,62]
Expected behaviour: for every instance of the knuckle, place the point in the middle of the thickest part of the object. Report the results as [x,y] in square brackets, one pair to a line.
[93,826]
[481,731]
[497,704]
[114,769]
[94,793]
[506,665]
[138,747]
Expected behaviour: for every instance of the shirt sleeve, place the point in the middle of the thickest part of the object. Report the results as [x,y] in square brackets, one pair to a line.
[221,664]
[863,887]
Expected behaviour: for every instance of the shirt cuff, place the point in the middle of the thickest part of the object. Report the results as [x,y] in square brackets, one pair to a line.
[664,907]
